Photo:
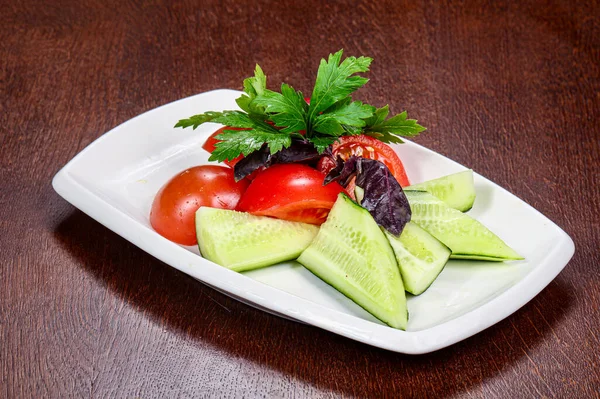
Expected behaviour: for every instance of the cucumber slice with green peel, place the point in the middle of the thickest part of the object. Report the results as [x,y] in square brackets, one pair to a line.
[421,257]
[457,190]
[240,241]
[461,233]
[351,253]
[477,257]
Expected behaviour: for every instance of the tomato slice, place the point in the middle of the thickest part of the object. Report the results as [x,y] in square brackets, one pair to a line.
[175,205]
[366,147]
[291,192]
[211,142]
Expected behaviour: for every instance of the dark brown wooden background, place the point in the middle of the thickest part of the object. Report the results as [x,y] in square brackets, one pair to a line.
[510,89]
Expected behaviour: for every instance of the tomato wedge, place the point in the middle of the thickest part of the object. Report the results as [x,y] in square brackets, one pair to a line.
[291,192]
[175,205]
[366,147]
[211,142]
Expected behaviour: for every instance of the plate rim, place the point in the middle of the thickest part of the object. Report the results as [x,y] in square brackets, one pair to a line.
[274,299]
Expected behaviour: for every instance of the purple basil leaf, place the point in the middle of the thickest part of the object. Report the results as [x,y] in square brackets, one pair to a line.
[384,198]
[343,171]
[252,162]
[336,173]
[383,195]
[300,151]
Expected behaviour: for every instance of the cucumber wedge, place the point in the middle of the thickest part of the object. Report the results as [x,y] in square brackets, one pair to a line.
[421,257]
[240,241]
[351,253]
[477,257]
[465,236]
[456,190]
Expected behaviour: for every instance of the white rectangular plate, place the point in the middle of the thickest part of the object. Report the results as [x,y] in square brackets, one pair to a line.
[115,178]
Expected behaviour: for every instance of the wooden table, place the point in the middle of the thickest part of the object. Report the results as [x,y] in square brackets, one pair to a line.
[512,91]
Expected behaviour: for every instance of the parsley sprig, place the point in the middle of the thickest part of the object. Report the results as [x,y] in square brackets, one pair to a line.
[274,118]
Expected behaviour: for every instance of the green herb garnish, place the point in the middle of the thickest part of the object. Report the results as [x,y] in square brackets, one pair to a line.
[332,113]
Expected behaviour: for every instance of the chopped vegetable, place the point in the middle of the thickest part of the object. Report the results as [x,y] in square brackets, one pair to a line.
[465,236]
[172,214]
[291,192]
[457,190]
[240,241]
[351,253]
[421,257]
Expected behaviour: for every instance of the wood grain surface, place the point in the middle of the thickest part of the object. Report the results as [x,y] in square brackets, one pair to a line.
[510,89]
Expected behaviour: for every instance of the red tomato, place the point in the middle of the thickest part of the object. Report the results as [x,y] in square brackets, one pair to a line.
[291,192]
[173,209]
[210,143]
[366,147]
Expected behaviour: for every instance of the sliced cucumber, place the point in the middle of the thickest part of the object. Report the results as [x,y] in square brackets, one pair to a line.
[461,233]
[351,253]
[240,241]
[477,257]
[421,257]
[456,190]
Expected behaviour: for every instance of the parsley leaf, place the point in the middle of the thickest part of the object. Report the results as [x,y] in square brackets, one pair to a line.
[229,118]
[243,142]
[390,130]
[335,81]
[253,86]
[322,142]
[332,113]
[352,130]
[197,120]
[286,109]
[235,142]
[336,119]
[379,116]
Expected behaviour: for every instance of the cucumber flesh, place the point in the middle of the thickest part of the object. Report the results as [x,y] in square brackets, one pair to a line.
[240,241]
[421,257]
[461,233]
[457,190]
[351,253]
